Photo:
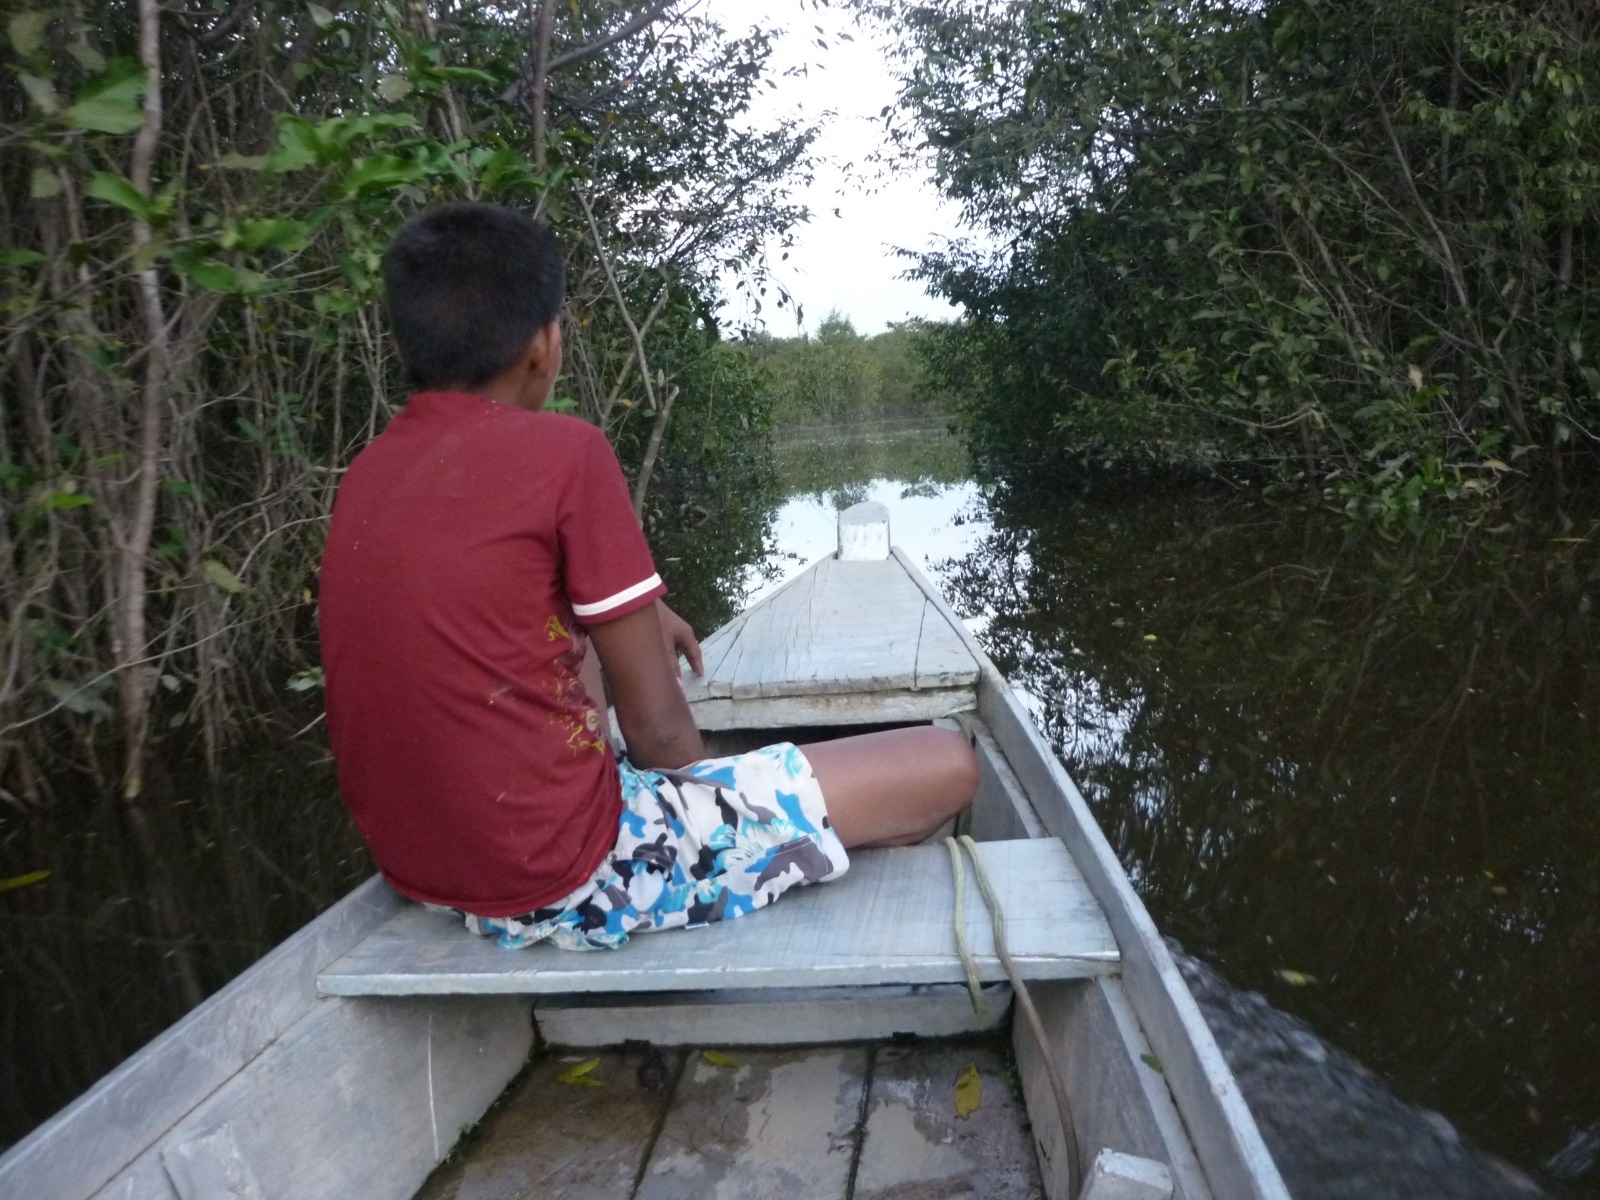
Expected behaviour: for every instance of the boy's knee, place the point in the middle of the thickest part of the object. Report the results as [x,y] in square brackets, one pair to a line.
[958,767]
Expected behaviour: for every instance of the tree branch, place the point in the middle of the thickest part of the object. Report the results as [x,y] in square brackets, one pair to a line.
[649,16]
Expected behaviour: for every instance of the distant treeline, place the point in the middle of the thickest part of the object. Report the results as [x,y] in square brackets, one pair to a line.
[839,375]
[1346,248]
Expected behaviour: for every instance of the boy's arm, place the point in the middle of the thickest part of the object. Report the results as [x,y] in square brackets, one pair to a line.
[644,687]
[680,639]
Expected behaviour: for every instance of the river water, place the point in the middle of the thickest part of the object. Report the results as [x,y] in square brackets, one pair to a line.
[1357,778]
[1357,775]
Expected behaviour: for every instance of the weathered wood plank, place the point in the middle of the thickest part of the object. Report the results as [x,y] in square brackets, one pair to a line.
[210,1167]
[80,1148]
[837,631]
[917,1145]
[562,1141]
[1236,1160]
[360,1098]
[1120,1099]
[846,627]
[727,647]
[1000,810]
[774,1124]
[772,1016]
[868,708]
[942,659]
[887,920]
[768,628]
[714,652]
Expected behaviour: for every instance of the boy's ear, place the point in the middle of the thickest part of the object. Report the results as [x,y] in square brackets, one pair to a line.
[545,348]
[542,364]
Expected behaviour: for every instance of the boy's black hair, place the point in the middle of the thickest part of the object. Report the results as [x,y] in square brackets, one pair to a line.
[468,287]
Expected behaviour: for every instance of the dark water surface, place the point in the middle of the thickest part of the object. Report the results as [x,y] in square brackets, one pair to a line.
[1357,774]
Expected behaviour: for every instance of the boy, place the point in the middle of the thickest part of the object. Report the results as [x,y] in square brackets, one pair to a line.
[479,548]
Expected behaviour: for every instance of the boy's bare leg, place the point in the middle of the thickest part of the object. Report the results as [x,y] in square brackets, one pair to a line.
[894,788]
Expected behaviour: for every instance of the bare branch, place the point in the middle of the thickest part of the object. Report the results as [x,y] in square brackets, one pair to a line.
[649,16]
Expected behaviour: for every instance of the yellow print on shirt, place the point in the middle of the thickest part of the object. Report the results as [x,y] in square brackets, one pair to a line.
[583,732]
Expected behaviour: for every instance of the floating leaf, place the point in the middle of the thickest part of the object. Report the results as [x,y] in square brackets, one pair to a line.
[17,881]
[578,1076]
[220,577]
[718,1059]
[1295,978]
[969,1091]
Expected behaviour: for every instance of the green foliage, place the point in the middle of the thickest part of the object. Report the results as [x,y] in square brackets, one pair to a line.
[709,506]
[1338,248]
[838,375]
[195,346]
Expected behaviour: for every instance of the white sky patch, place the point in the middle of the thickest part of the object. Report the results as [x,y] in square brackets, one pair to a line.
[844,258]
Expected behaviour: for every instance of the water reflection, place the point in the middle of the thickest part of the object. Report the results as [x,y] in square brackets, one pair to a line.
[915,468]
[1360,775]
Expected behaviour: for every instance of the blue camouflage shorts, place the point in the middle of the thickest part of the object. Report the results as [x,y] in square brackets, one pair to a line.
[712,841]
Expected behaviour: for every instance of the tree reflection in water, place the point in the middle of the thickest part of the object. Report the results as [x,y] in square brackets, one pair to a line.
[1358,774]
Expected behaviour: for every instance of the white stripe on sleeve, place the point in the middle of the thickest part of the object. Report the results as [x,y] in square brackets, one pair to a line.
[622,597]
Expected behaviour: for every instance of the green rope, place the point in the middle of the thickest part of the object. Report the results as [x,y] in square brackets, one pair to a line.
[997,918]
[974,986]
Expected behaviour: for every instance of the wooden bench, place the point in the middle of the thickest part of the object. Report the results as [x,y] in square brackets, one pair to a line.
[888,920]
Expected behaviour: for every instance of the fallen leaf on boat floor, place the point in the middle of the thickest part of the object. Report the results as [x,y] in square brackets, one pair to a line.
[579,1075]
[969,1091]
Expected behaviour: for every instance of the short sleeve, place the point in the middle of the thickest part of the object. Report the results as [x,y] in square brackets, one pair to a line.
[607,565]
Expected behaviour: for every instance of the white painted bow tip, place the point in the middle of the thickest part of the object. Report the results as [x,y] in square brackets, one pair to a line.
[864,532]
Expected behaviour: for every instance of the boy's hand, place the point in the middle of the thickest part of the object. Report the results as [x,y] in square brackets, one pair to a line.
[651,707]
[680,639]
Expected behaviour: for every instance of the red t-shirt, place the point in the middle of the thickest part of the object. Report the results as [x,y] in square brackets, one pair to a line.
[469,541]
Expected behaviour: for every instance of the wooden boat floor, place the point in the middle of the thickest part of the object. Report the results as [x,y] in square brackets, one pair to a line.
[868,1122]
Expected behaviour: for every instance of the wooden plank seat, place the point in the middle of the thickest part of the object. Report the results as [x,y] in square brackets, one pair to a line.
[887,920]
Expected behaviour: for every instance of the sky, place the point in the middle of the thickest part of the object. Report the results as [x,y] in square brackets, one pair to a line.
[843,262]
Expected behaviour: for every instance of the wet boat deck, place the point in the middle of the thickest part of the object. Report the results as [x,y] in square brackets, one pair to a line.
[857,1122]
